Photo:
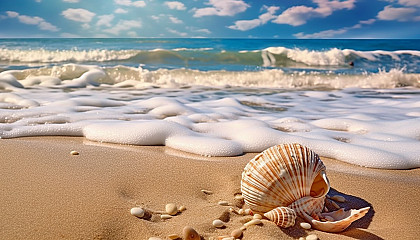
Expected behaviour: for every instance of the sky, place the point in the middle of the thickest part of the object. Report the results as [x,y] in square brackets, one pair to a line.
[211,18]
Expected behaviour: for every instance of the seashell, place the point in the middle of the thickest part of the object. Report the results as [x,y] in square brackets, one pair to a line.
[182,208]
[190,234]
[74,152]
[171,209]
[288,180]
[208,192]
[173,236]
[237,233]
[257,216]
[165,216]
[218,223]
[282,216]
[281,175]
[137,211]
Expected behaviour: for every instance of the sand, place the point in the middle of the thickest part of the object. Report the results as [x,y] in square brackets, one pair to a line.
[47,193]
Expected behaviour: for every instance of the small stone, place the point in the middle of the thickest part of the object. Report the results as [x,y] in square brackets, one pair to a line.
[137,211]
[173,236]
[190,234]
[208,192]
[74,152]
[305,225]
[218,223]
[165,216]
[241,212]
[237,233]
[312,237]
[301,238]
[253,222]
[171,209]
[223,203]
[257,216]
[338,198]
[247,211]
[228,238]
[182,208]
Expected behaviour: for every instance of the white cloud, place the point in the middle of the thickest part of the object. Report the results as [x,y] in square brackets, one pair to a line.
[132,34]
[42,24]
[203,30]
[222,8]
[120,10]
[402,14]
[299,15]
[333,32]
[105,20]
[85,25]
[129,3]
[123,25]
[175,20]
[182,34]
[415,3]
[244,25]
[71,1]
[78,15]
[175,5]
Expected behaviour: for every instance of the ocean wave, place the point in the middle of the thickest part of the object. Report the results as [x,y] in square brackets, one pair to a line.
[74,75]
[197,57]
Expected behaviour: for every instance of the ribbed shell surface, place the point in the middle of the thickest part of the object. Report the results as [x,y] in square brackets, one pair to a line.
[279,176]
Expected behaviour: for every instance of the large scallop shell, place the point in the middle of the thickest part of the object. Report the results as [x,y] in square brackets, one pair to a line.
[281,175]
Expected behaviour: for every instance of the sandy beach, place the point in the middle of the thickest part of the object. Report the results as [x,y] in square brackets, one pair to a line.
[47,193]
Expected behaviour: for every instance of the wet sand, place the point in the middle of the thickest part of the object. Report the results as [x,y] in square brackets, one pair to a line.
[47,193]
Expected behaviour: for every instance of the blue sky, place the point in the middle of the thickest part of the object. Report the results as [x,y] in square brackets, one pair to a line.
[211,18]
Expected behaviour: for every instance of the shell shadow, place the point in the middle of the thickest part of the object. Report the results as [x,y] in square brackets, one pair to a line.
[355,230]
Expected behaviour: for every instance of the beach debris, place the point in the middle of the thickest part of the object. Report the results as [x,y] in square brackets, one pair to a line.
[305,225]
[268,186]
[253,222]
[228,238]
[165,216]
[208,192]
[74,152]
[312,237]
[247,211]
[171,209]
[223,203]
[190,234]
[174,236]
[155,238]
[257,216]
[241,212]
[218,223]
[182,208]
[137,211]
[302,238]
[237,233]
[338,198]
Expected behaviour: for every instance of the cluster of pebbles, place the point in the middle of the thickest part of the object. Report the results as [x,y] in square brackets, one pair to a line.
[189,233]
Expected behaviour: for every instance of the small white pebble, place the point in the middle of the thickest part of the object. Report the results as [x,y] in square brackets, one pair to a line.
[257,216]
[182,208]
[171,209]
[247,211]
[338,198]
[137,211]
[241,212]
[312,237]
[223,203]
[165,216]
[228,238]
[154,238]
[305,225]
[218,223]
[301,238]
[74,152]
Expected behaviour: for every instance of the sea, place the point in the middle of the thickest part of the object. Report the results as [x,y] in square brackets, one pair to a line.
[356,100]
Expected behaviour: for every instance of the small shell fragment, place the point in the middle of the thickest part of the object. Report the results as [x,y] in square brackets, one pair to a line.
[182,208]
[305,225]
[228,238]
[335,204]
[218,223]
[154,238]
[237,233]
[137,211]
[190,234]
[173,236]
[165,216]
[241,212]
[329,218]
[312,237]
[74,152]
[223,203]
[257,216]
[338,198]
[208,192]
[171,209]
[247,211]
[253,222]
